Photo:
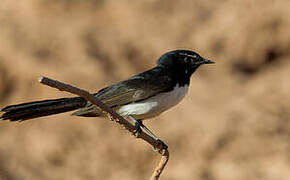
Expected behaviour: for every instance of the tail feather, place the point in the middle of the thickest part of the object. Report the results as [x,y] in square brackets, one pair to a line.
[36,109]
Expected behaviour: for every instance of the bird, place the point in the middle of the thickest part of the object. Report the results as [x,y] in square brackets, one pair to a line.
[142,96]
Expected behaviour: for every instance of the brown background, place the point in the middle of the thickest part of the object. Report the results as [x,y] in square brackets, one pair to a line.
[234,124]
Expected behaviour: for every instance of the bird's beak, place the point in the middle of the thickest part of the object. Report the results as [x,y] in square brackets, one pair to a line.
[206,61]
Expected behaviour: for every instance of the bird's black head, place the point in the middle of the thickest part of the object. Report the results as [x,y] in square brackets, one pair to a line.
[183,62]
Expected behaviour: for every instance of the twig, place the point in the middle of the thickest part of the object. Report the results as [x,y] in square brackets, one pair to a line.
[114,117]
[159,168]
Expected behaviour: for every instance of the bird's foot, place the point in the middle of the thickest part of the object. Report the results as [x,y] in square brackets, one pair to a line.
[137,128]
[162,144]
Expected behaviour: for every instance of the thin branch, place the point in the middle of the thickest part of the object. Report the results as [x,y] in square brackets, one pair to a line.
[159,168]
[114,117]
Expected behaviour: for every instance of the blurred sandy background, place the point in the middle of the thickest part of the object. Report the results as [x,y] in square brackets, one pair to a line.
[234,123]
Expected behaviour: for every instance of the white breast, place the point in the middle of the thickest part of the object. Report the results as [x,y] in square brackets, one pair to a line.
[155,105]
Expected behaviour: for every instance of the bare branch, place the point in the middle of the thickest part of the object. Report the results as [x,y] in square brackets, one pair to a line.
[159,168]
[114,117]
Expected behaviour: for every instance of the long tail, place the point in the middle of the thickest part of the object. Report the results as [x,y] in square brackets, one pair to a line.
[36,109]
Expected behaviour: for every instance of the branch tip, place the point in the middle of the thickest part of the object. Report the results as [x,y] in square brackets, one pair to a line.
[40,79]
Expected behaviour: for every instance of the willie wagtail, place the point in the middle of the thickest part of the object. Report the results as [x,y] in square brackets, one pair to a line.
[140,97]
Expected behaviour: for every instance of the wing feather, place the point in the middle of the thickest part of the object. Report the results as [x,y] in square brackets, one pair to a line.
[135,89]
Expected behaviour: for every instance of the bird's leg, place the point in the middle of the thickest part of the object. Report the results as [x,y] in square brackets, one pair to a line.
[138,124]
[164,146]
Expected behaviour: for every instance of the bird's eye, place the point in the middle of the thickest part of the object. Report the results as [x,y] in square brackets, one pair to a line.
[188,60]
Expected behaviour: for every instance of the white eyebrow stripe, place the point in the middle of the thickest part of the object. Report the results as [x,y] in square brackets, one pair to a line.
[188,55]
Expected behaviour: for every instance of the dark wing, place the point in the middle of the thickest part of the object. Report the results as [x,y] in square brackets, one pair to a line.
[137,88]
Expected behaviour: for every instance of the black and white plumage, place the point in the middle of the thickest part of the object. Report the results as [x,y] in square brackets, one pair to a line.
[155,105]
[142,96]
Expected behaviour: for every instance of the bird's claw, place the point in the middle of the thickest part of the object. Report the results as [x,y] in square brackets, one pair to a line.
[162,144]
[137,129]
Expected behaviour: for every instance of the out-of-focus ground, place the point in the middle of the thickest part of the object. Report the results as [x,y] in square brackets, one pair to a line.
[234,124]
